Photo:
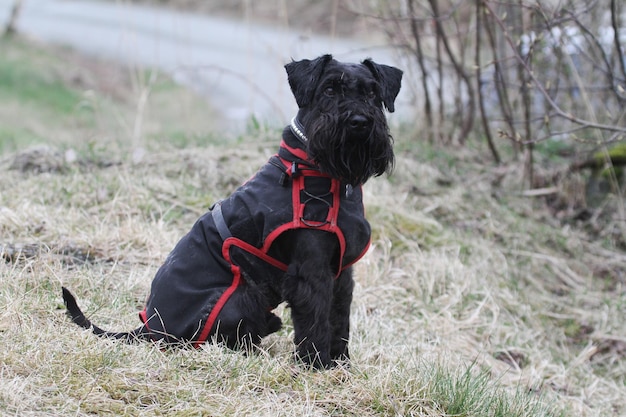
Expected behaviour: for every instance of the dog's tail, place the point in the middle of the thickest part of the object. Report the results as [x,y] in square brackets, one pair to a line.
[77,316]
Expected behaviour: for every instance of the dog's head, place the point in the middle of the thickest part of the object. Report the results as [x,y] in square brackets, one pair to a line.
[342,114]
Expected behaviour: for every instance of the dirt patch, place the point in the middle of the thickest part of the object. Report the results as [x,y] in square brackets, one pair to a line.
[43,158]
[67,253]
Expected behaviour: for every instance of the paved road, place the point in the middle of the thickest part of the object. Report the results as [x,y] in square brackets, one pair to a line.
[237,65]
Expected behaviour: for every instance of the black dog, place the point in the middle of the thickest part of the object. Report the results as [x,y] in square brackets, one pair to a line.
[291,233]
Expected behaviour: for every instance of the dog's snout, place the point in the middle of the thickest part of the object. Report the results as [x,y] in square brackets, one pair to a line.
[359,122]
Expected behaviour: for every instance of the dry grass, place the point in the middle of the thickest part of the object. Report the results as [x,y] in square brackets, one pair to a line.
[472,301]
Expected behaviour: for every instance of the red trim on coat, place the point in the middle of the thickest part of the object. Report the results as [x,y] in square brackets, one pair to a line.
[261,253]
[237,281]
[143,316]
[217,308]
[299,153]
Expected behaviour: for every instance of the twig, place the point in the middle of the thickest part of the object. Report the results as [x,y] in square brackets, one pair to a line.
[560,112]
[481,98]
[618,42]
[15,12]
[419,56]
[540,192]
[468,121]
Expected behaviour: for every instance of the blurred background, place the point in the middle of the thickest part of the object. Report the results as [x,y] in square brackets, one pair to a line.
[232,53]
[539,81]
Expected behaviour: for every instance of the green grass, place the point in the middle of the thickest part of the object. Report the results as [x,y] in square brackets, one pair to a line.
[52,95]
[473,300]
[19,80]
[33,94]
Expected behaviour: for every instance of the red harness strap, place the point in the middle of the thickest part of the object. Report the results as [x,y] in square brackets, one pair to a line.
[237,281]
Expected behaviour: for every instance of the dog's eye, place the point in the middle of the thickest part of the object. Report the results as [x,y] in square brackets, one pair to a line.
[330,91]
[371,94]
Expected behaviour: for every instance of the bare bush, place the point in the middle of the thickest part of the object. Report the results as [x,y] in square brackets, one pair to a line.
[9,28]
[530,71]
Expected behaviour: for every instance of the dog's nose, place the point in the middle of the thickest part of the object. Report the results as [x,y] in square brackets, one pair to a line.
[358,122]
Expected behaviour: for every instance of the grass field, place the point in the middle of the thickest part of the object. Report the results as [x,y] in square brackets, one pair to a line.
[473,301]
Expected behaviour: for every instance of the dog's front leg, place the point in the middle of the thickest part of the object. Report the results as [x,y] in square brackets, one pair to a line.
[340,316]
[308,289]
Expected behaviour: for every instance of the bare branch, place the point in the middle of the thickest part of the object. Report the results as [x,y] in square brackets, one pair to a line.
[419,56]
[557,109]
[481,99]
[618,42]
[15,12]
[468,121]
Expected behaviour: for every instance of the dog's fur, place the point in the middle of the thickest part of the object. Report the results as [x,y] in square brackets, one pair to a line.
[341,112]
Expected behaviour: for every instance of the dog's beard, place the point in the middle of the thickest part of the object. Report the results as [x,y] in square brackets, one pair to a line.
[347,154]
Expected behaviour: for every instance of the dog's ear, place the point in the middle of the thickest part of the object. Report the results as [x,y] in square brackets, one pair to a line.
[389,79]
[303,77]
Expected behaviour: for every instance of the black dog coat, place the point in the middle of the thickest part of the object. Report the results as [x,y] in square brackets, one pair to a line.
[229,246]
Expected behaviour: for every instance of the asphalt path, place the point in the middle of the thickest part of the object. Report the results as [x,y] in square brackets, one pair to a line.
[237,65]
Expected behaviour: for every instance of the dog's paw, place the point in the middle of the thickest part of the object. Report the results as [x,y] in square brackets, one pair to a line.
[342,361]
[274,323]
[307,355]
